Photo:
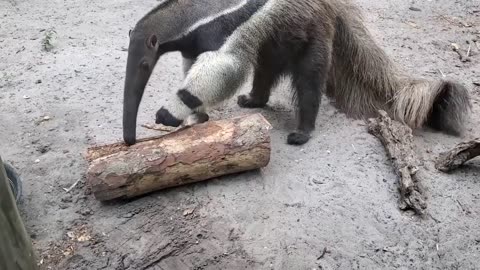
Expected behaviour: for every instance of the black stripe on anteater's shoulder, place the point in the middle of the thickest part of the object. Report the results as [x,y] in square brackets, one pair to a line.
[211,36]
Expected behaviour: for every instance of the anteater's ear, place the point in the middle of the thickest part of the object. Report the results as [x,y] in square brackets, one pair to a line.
[130,32]
[152,41]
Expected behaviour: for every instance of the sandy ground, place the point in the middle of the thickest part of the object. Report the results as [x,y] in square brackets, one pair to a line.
[338,192]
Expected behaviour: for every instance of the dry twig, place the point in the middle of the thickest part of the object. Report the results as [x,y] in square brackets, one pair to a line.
[158,127]
[323,253]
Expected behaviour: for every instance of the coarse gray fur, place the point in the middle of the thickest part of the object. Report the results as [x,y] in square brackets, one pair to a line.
[326,48]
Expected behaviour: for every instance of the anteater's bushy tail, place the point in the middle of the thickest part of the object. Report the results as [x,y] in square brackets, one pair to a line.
[442,105]
[363,80]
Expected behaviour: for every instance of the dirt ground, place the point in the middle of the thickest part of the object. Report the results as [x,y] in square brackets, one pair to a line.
[337,193]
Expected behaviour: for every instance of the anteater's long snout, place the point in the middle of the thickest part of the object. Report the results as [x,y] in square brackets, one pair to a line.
[131,103]
[132,96]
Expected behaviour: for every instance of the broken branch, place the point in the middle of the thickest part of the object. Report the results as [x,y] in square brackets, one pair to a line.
[457,156]
[158,127]
[398,142]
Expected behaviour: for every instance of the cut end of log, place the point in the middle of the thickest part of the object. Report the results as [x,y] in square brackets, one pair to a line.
[196,153]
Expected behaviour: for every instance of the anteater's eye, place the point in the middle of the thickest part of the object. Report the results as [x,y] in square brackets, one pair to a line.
[144,65]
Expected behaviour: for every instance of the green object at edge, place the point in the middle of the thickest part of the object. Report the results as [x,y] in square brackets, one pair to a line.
[16,251]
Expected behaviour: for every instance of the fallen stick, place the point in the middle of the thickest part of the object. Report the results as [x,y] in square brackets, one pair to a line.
[159,127]
[397,140]
[193,154]
[457,156]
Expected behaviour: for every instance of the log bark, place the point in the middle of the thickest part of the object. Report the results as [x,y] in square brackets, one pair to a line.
[457,156]
[397,139]
[196,153]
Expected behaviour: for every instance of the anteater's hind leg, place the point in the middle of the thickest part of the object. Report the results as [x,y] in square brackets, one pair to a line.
[309,77]
[266,75]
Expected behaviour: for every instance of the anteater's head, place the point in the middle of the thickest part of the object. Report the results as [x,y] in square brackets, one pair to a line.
[142,57]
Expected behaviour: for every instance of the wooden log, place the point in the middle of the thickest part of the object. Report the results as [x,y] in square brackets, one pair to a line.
[457,156]
[397,139]
[196,153]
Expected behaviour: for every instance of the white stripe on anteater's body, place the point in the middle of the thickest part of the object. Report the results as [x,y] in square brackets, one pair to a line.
[208,34]
[208,23]
[175,19]
[209,19]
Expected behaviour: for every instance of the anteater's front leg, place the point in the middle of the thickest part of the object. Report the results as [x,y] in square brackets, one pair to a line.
[213,78]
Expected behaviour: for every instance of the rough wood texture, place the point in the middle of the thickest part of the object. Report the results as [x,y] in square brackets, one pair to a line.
[397,139]
[197,153]
[460,154]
